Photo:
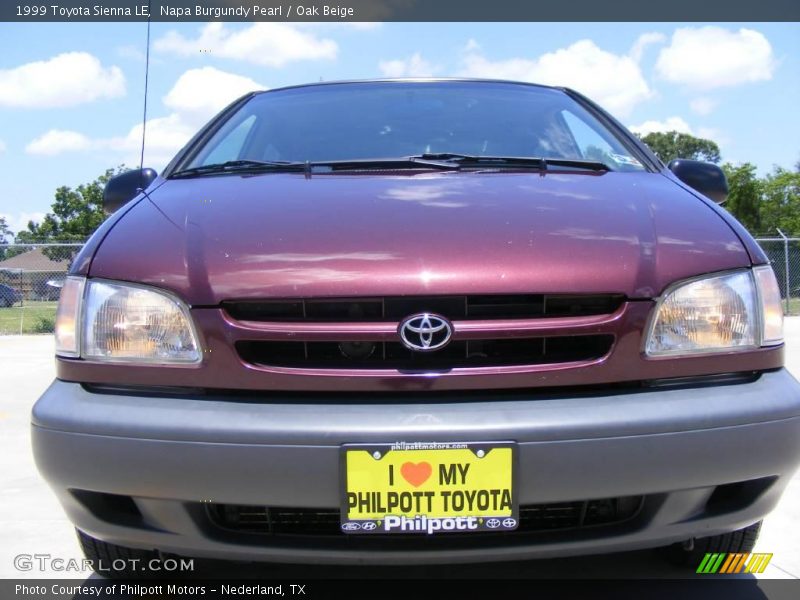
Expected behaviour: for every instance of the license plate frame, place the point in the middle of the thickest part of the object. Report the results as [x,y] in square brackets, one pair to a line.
[487,503]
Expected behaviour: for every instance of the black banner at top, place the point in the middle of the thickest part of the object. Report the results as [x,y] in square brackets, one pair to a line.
[398,10]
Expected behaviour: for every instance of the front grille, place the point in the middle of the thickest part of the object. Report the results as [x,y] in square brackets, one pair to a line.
[395,308]
[325,522]
[393,355]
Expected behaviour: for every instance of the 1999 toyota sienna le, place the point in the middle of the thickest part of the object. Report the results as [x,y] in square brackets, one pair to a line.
[418,321]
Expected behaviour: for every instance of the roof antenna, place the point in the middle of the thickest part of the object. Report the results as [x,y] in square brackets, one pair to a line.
[146,78]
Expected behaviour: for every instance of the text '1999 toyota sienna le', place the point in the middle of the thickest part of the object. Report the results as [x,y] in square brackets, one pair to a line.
[418,321]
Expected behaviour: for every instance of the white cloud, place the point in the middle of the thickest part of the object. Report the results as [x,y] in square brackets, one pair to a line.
[19,221]
[164,137]
[715,135]
[472,45]
[195,97]
[703,105]
[645,40]
[206,91]
[413,66]
[615,81]
[712,57]
[64,80]
[57,141]
[669,124]
[681,126]
[3,146]
[267,44]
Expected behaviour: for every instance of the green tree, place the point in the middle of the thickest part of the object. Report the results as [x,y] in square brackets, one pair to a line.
[5,235]
[780,204]
[744,195]
[76,214]
[671,145]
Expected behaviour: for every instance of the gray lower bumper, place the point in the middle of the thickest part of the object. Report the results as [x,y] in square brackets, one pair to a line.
[168,452]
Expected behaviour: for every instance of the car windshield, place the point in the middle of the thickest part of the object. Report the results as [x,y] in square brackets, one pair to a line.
[358,121]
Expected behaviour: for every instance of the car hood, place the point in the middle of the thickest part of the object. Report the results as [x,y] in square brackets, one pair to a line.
[287,235]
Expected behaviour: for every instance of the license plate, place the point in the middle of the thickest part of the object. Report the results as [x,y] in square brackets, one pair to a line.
[428,488]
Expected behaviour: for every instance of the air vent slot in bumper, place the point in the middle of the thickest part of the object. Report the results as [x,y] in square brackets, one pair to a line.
[325,522]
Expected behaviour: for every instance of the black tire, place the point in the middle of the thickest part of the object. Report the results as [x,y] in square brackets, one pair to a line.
[5,303]
[106,558]
[741,540]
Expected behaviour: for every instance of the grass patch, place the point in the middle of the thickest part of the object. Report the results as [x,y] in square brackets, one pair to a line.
[32,317]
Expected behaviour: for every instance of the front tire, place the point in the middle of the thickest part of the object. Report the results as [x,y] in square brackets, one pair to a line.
[741,540]
[111,560]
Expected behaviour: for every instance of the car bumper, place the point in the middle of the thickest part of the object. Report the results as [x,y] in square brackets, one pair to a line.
[680,449]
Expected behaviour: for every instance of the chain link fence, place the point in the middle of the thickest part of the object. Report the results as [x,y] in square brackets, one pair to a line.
[784,254]
[31,276]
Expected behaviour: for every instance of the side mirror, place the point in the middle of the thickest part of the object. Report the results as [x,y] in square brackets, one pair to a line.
[125,187]
[704,177]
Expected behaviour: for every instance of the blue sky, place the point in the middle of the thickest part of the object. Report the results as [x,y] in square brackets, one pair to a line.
[71,93]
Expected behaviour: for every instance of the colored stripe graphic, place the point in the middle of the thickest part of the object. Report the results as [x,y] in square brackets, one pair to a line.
[734,562]
[711,562]
[727,564]
[758,563]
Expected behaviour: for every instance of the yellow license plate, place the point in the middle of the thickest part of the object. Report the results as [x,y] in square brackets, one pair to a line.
[429,487]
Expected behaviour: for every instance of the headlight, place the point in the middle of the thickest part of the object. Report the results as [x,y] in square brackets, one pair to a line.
[122,322]
[68,317]
[732,311]
[771,308]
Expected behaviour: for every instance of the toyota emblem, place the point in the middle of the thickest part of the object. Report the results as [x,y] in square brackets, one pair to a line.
[425,332]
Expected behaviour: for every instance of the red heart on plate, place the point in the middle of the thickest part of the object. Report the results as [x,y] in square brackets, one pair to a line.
[416,474]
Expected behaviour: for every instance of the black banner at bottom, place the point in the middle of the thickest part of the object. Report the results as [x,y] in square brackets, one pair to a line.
[417,589]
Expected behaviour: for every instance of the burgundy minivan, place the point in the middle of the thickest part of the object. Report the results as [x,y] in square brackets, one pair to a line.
[418,321]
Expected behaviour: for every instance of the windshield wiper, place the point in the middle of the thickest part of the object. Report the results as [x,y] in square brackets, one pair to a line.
[579,163]
[402,162]
[536,162]
[309,167]
[445,161]
[240,166]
